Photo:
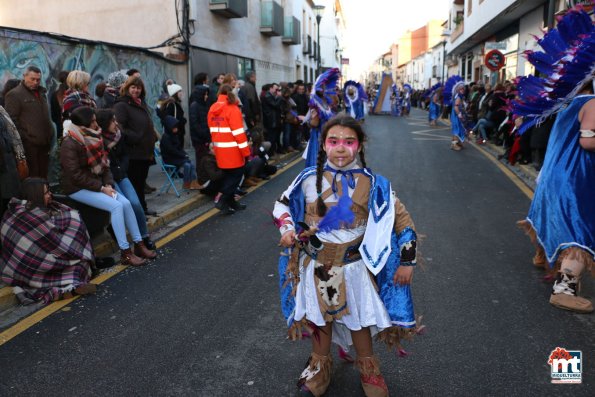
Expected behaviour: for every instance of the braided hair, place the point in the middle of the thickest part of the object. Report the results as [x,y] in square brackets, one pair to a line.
[342,120]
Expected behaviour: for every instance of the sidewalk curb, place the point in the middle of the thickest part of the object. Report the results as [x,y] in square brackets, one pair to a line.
[105,246]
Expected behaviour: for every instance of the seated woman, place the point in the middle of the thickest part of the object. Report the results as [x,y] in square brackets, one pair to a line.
[45,247]
[118,154]
[173,153]
[86,178]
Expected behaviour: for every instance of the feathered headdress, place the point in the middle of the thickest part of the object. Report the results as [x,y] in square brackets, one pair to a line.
[327,82]
[450,88]
[429,93]
[407,87]
[567,61]
[395,89]
[360,92]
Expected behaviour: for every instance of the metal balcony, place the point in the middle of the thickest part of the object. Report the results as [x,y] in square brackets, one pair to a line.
[271,18]
[292,31]
[229,8]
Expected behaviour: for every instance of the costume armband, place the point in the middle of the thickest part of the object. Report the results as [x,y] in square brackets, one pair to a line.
[407,241]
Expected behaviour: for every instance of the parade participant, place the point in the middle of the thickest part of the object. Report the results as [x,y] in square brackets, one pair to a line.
[355,96]
[561,220]
[434,108]
[350,252]
[454,91]
[395,104]
[406,102]
[322,98]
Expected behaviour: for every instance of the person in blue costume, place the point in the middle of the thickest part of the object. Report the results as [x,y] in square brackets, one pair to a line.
[561,219]
[350,252]
[434,111]
[355,97]
[406,101]
[395,98]
[322,100]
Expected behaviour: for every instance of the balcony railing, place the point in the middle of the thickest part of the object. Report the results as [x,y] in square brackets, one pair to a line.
[271,18]
[307,47]
[292,31]
[457,32]
[229,8]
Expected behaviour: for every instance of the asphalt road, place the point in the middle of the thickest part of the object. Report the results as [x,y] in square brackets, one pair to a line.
[204,319]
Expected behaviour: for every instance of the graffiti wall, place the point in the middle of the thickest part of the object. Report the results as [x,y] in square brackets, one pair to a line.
[52,54]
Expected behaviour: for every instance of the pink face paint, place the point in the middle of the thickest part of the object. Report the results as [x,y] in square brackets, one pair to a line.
[341,150]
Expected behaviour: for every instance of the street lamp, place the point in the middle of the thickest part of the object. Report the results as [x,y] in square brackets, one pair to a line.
[445,35]
[318,10]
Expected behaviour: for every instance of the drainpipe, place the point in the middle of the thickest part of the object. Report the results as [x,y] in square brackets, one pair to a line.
[550,13]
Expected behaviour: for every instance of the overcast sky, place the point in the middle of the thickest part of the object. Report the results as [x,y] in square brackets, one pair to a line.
[373,25]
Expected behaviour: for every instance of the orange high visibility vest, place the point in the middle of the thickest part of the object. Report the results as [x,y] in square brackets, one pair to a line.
[230,143]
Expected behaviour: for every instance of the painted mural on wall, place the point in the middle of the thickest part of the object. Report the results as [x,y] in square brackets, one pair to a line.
[19,49]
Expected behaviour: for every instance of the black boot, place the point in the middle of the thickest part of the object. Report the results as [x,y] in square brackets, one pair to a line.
[236,205]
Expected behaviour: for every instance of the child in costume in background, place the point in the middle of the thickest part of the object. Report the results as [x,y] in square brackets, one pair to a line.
[347,269]
[322,100]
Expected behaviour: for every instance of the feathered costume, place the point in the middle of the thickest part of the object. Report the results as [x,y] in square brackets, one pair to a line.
[457,121]
[355,96]
[396,102]
[349,281]
[434,107]
[325,86]
[562,212]
[407,98]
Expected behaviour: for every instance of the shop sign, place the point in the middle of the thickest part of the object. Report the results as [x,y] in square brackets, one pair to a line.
[494,60]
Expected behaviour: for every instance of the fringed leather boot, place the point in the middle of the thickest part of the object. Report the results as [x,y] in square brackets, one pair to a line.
[566,288]
[372,381]
[316,377]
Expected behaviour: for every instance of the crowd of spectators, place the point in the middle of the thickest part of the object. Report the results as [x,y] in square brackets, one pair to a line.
[106,143]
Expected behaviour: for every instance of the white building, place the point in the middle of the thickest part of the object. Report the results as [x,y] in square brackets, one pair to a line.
[479,26]
[332,30]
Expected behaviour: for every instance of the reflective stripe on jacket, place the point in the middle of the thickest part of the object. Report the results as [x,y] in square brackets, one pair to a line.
[227,134]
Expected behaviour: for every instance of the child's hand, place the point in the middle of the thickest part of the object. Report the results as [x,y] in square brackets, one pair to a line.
[288,239]
[403,275]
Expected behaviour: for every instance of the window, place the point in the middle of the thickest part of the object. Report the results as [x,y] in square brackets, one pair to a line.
[469,7]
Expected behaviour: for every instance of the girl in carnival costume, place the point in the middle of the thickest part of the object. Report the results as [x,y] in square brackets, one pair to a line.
[355,96]
[434,109]
[395,101]
[322,99]
[454,92]
[561,220]
[350,252]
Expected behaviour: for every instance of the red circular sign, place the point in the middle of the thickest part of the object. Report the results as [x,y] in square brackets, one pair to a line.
[494,60]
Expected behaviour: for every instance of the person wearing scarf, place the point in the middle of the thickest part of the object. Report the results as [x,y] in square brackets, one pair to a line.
[77,93]
[118,149]
[87,179]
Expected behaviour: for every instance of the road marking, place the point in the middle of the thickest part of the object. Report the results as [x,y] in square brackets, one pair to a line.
[511,175]
[53,307]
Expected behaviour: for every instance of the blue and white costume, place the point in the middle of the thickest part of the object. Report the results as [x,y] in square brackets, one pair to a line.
[395,108]
[380,239]
[355,97]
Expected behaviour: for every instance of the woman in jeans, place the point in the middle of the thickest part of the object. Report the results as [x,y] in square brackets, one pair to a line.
[135,121]
[86,178]
[117,147]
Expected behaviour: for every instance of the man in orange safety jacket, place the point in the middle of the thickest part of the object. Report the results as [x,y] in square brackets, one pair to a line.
[230,145]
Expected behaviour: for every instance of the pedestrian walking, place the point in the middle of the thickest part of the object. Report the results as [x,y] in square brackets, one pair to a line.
[454,91]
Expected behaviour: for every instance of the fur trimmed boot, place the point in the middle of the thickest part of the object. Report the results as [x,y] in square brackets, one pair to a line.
[564,295]
[372,381]
[316,377]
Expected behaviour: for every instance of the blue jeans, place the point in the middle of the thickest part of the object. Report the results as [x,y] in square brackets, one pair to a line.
[125,188]
[482,124]
[189,172]
[287,132]
[122,215]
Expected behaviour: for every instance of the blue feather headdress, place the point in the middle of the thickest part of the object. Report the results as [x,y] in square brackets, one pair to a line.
[407,87]
[326,83]
[360,92]
[567,62]
[450,88]
[432,90]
